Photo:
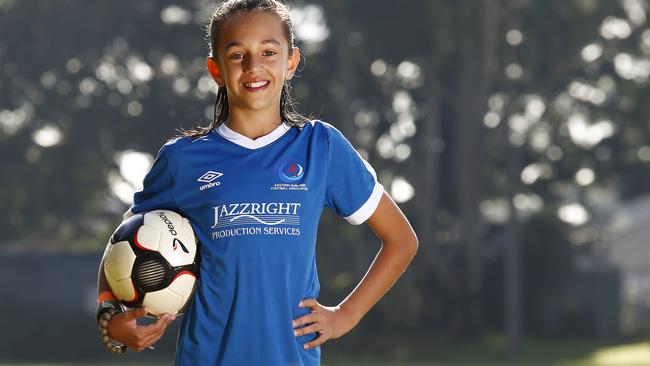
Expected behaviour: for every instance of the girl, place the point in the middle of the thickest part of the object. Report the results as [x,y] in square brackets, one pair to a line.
[254,184]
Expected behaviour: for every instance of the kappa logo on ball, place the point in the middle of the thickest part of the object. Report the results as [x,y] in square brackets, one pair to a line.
[209,178]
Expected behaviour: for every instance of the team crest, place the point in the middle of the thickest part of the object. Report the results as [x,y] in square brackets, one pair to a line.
[291,174]
[291,171]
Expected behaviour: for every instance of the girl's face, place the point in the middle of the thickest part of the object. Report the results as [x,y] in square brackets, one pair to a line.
[253,61]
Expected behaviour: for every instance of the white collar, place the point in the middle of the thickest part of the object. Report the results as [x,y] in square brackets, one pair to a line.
[249,143]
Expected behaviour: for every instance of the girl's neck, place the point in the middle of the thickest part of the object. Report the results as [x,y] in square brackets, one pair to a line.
[253,125]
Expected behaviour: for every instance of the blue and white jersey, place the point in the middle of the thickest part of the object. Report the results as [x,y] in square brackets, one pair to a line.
[255,207]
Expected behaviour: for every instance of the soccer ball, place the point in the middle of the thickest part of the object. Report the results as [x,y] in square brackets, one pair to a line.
[152,261]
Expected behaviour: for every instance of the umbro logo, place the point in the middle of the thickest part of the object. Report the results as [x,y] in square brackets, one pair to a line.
[209,178]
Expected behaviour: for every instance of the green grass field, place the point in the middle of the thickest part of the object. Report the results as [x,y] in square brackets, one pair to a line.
[486,353]
[490,352]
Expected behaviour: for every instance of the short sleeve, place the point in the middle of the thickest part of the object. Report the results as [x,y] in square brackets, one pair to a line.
[353,191]
[157,188]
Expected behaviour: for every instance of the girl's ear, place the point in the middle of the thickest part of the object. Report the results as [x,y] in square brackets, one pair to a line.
[294,60]
[213,68]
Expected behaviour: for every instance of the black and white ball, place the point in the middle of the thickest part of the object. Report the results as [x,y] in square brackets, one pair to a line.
[152,260]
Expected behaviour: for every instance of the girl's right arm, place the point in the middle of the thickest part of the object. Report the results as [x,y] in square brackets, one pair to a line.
[123,326]
[157,192]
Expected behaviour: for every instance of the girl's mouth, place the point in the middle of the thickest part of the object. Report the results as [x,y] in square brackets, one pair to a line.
[257,85]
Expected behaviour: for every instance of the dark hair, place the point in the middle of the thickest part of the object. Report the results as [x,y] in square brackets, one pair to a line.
[221,13]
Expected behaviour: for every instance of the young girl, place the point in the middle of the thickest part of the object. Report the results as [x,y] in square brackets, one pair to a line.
[254,184]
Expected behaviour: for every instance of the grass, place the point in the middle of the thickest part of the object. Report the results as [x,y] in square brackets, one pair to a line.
[490,352]
[636,354]
[486,353]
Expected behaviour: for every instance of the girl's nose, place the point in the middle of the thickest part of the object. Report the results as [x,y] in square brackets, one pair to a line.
[251,64]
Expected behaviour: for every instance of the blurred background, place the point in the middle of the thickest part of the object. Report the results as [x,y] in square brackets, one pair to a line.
[514,134]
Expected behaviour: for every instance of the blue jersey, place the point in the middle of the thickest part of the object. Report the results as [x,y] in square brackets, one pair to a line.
[255,207]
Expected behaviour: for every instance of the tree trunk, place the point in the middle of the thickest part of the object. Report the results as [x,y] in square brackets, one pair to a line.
[478,57]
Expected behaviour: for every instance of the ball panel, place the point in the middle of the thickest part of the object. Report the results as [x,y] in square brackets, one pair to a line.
[112,281]
[183,283]
[177,240]
[186,301]
[187,228]
[124,290]
[163,220]
[151,272]
[148,238]
[163,301]
[126,229]
[119,260]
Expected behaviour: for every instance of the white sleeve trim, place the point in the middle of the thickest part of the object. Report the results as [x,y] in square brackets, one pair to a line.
[368,208]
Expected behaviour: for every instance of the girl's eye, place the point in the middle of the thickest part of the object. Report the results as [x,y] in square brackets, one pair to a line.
[236,56]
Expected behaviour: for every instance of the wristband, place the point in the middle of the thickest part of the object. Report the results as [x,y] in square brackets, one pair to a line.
[104,318]
[106,306]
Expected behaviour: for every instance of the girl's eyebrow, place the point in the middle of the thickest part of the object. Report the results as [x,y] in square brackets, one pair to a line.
[266,41]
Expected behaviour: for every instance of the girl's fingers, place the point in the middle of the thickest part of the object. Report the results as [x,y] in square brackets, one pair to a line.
[159,326]
[308,303]
[316,327]
[151,340]
[316,342]
[305,319]
[152,333]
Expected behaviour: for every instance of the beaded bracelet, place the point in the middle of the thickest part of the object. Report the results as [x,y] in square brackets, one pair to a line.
[106,316]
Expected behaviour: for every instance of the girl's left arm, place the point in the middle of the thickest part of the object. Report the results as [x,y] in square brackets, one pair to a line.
[399,245]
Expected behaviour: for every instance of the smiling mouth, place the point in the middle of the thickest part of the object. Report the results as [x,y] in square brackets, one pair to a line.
[257,85]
